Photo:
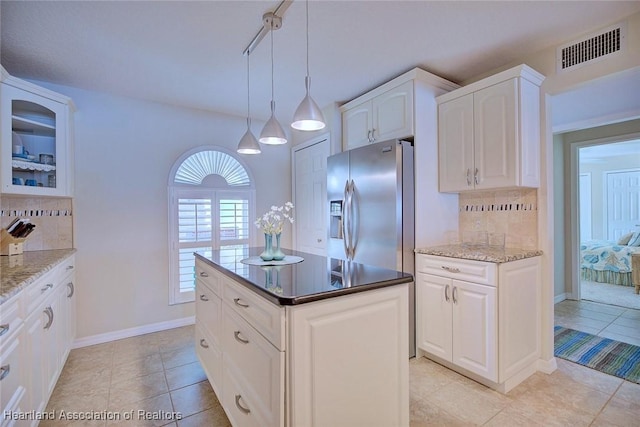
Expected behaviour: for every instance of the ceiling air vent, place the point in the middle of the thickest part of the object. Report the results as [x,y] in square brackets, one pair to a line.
[591,48]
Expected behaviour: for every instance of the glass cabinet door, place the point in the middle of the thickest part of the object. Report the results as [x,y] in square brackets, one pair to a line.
[35,142]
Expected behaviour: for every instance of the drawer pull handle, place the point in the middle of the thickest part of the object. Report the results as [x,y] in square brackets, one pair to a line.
[238,338]
[455,293]
[47,286]
[203,297]
[446,293]
[451,269]
[4,329]
[203,343]
[4,371]
[49,312]
[70,267]
[72,289]
[237,301]
[203,274]
[242,408]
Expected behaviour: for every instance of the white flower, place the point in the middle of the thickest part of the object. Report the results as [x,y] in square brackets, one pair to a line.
[272,221]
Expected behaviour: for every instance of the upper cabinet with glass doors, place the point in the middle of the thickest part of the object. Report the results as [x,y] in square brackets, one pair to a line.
[36,152]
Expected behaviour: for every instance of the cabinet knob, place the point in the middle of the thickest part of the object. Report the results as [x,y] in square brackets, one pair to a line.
[203,343]
[70,267]
[47,286]
[49,312]
[451,269]
[4,328]
[446,293]
[203,297]
[468,177]
[203,274]
[72,289]
[236,335]
[455,294]
[475,177]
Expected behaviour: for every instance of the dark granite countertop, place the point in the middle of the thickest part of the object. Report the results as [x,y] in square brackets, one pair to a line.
[19,271]
[480,253]
[316,278]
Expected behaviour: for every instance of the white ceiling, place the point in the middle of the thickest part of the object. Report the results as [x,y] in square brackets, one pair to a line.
[189,53]
[597,153]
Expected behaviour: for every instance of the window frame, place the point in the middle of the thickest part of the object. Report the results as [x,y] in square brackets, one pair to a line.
[216,193]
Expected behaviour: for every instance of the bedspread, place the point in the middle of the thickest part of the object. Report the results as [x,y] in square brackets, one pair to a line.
[607,262]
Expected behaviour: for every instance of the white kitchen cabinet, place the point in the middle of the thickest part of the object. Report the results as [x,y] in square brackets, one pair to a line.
[12,364]
[286,365]
[48,332]
[489,133]
[41,122]
[369,119]
[479,318]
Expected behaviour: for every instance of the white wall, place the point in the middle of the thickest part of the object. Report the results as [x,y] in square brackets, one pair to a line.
[124,150]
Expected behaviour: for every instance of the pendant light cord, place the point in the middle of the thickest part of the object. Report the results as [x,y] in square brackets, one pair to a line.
[307,13]
[248,91]
[272,97]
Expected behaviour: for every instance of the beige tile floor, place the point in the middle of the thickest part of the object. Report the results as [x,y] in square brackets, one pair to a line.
[159,373]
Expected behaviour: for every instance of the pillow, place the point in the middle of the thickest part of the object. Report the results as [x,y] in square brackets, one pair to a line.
[635,239]
[624,240]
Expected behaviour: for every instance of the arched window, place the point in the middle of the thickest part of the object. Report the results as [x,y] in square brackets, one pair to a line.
[211,206]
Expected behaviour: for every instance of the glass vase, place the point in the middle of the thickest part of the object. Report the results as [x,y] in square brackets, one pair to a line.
[267,254]
[278,255]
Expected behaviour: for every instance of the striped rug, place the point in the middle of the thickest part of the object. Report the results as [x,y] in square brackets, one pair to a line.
[603,354]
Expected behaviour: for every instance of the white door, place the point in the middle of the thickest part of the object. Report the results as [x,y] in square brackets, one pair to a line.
[455,144]
[475,345]
[393,113]
[310,196]
[495,132]
[433,315]
[623,203]
[585,206]
[356,126]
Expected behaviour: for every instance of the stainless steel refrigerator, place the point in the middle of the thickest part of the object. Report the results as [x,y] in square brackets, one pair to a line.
[370,192]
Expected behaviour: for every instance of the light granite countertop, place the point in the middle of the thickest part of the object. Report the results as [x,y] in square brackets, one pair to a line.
[19,271]
[480,253]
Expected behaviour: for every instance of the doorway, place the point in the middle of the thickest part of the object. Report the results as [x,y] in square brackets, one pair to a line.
[609,213]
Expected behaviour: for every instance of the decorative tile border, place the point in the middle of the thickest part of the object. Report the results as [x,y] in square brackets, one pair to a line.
[35,212]
[504,207]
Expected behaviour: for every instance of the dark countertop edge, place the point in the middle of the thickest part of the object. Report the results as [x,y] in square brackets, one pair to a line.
[12,292]
[288,301]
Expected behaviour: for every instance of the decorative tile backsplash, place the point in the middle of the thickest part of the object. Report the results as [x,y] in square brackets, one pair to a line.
[53,219]
[512,212]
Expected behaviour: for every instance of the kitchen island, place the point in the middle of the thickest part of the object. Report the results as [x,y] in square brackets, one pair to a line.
[314,343]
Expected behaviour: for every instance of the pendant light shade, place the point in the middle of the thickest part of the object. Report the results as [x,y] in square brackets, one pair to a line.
[248,143]
[272,133]
[308,115]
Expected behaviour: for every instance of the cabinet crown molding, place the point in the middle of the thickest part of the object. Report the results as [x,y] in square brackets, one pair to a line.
[8,79]
[522,71]
[416,74]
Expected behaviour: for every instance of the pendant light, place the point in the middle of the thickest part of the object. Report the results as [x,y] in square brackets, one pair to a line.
[248,143]
[308,115]
[272,133]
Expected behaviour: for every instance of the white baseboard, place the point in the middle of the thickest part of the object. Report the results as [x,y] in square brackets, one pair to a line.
[561,297]
[547,366]
[132,332]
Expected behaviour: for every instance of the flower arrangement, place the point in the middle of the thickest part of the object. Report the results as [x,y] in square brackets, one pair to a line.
[273,220]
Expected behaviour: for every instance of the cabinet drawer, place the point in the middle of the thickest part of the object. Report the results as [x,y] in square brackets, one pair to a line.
[257,363]
[66,268]
[267,318]
[210,355]
[10,318]
[43,288]
[11,388]
[209,276]
[208,310]
[240,406]
[460,269]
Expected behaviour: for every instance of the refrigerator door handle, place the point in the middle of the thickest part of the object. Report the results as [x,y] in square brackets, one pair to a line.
[345,218]
[353,220]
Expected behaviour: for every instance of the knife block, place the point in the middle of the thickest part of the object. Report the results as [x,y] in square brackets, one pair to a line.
[10,245]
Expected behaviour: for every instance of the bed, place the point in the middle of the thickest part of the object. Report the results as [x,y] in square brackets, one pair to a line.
[606,262]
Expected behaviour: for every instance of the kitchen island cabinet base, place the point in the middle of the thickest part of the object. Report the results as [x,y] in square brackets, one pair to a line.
[339,361]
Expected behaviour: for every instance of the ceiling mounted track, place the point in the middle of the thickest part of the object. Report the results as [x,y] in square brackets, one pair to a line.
[271,20]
